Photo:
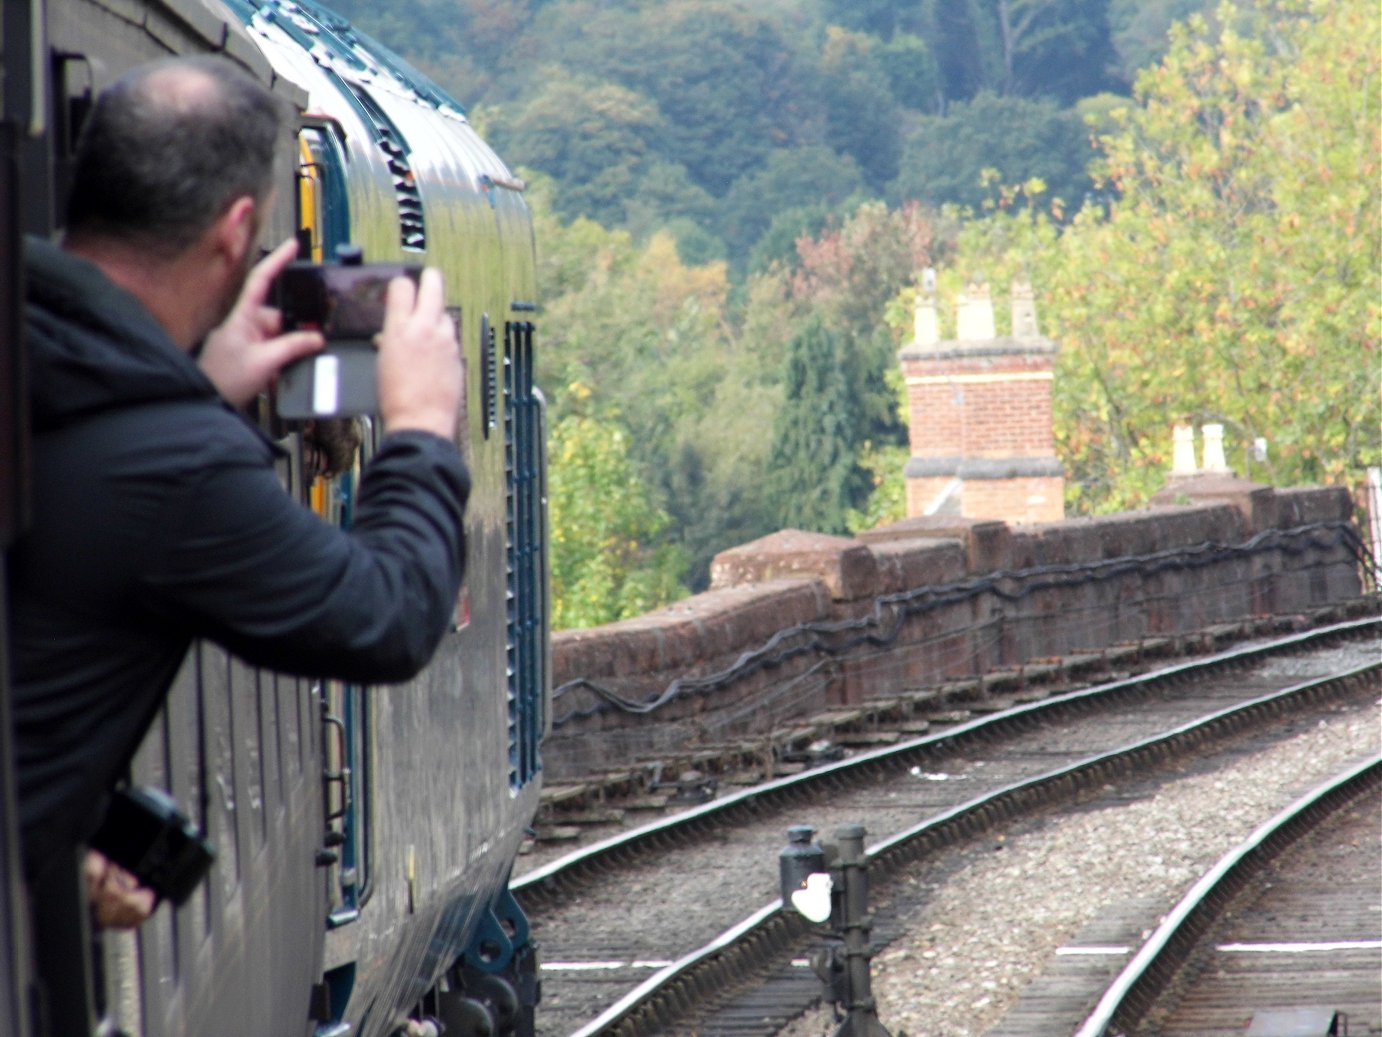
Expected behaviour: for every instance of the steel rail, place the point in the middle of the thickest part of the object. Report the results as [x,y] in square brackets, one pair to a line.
[550,880]
[670,993]
[1137,987]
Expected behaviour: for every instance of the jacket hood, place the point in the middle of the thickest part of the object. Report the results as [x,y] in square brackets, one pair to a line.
[93,345]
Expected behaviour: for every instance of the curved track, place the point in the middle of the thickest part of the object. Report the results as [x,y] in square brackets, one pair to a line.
[601,939]
[1284,929]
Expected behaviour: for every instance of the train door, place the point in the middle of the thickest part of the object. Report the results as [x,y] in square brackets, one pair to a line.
[21,90]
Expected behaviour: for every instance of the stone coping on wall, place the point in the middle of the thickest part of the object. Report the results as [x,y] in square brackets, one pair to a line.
[1261,506]
[791,576]
[690,635]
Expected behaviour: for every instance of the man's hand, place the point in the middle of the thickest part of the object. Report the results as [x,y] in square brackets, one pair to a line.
[420,379]
[246,352]
[117,899]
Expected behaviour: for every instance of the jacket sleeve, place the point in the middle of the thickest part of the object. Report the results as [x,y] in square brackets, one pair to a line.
[251,569]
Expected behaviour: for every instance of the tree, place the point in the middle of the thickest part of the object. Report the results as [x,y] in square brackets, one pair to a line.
[663,194]
[723,78]
[606,561]
[1019,48]
[1238,275]
[887,502]
[1019,139]
[844,280]
[912,71]
[966,51]
[876,17]
[848,274]
[778,244]
[1053,48]
[788,176]
[1140,30]
[635,330]
[861,116]
[814,472]
[593,138]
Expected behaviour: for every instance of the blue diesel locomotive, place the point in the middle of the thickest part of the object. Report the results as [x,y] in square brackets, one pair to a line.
[364,835]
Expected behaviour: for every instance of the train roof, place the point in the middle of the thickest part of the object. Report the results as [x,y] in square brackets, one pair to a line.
[335,43]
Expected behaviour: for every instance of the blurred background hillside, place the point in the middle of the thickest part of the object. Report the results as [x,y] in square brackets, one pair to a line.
[735,197]
[725,120]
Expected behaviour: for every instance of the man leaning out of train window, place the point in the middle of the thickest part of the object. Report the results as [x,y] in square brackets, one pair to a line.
[158,514]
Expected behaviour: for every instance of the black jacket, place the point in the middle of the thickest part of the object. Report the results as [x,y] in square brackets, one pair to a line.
[158,518]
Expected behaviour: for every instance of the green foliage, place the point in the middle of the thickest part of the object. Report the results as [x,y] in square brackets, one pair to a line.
[837,420]
[721,310]
[695,245]
[876,17]
[960,35]
[1054,48]
[1237,277]
[812,173]
[1140,29]
[1018,48]
[606,561]
[914,76]
[886,464]
[848,274]
[725,114]
[639,331]
[814,472]
[778,244]
[593,137]
[663,195]
[1020,139]
[887,502]
[1247,243]
[861,116]
[722,76]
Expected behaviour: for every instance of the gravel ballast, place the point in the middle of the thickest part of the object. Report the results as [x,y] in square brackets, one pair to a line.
[982,936]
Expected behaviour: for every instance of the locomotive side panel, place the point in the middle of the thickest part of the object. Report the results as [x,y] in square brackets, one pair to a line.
[239,749]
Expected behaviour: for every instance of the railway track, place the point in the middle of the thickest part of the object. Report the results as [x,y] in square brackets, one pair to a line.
[614,964]
[611,803]
[1281,935]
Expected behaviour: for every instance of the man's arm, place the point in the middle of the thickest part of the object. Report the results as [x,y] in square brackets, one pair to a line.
[244,565]
[269,580]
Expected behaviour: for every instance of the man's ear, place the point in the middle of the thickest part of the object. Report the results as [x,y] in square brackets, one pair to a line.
[235,232]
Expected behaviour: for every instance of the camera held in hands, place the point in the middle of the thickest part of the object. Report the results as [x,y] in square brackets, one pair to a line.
[146,834]
[345,302]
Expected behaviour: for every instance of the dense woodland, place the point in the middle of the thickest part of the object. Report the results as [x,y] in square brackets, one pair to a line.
[734,198]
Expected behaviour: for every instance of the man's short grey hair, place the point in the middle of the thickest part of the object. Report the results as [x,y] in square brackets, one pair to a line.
[167,148]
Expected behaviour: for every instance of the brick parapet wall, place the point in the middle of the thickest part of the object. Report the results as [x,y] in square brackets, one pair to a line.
[791,614]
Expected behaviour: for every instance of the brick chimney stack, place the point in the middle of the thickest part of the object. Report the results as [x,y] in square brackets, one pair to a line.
[981,433]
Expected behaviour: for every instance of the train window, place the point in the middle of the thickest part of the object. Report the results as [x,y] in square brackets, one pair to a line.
[525,518]
[323,204]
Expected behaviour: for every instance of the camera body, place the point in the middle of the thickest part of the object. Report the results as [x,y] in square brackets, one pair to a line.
[146,834]
[345,302]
